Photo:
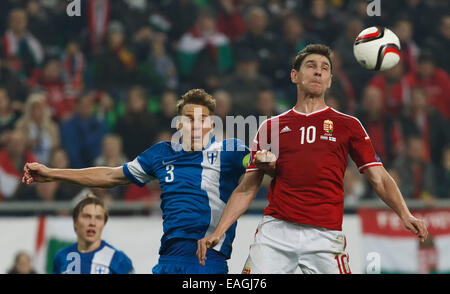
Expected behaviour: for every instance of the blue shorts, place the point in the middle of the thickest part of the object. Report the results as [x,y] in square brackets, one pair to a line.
[188,265]
[178,256]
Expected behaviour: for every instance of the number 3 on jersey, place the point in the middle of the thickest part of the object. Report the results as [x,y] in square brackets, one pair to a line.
[170,176]
[310,134]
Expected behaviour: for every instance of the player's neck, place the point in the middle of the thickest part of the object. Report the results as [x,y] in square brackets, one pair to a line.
[85,247]
[308,104]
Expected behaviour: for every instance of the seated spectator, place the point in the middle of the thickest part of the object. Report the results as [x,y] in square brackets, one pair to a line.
[137,126]
[50,80]
[323,21]
[111,156]
[260,41]
[343,45]
[20,48]
[82,135]
[158,71]
[245,82]
[42,133]
[17,89]
[393,84]
[203,52]
[167,111]
[342,88]
[439,42]
[73,64]
[443,175]
[404,29]
[115,65]
[22,265]
[229,20]
[416,175]
[8,116]
[435,80]
[12,159]
[57,191]
[293,39]
[429,123]
[385,131]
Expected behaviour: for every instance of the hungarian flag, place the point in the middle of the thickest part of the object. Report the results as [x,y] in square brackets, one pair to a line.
[53,234]
[396,250]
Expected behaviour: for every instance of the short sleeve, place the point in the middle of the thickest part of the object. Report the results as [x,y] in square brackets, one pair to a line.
[140,171]
[238,153]
[361,149]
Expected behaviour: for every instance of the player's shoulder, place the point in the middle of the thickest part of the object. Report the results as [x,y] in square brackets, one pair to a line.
[160,148]
[62,253]
[233,144]
[347,119]
[286,115]
[117,252]
[121,263]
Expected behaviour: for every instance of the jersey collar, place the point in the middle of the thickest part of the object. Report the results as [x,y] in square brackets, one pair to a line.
[312,113]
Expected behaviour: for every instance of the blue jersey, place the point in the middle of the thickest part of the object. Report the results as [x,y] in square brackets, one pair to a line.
[195,186]
[104,260]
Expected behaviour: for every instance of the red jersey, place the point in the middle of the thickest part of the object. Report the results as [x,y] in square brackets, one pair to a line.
[312,152]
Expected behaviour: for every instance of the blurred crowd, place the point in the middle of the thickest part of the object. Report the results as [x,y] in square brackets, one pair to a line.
[100,88]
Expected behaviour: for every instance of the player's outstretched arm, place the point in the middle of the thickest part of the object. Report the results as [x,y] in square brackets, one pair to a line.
[385,186]
[102,177]
[239,202]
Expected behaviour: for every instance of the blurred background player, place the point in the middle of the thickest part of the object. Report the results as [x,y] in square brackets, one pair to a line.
[196,175]
[91,255]
[302,225]
[22,265]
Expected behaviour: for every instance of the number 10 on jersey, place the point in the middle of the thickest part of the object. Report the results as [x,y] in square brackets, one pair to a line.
[308,133]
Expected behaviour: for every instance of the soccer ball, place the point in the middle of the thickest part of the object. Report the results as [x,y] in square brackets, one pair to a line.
[377,48]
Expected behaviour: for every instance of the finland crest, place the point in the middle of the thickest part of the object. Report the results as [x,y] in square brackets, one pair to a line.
[212,156]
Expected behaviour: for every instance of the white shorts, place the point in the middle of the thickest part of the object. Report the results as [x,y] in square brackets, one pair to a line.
[280,247]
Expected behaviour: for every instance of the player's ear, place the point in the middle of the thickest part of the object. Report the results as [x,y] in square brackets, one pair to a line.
[294,76]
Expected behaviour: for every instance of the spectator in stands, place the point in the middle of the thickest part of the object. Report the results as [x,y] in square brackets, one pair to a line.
[181,15]
[167,110]
[74,65]
[266,103]
[260,41]
[203,52]
[137,126]
[8,116]
[244,84]
[17,90]
[439,42]
[57,191]
[357,75]
[437,82]
[22,264]
[111,156]
[293,39]
[342,87]
[41,25]
[50,80]
[82,135]
[224,105]
[394,87]
[158,72]
[323,21]
[416,175]
[429,122]
[229,20]
[12,158]
[115,65]
[42,133]
[385,131]
[404,29]
[21,49]
[443,175]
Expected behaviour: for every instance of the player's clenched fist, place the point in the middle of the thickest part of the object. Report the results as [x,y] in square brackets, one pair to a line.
[265,161]
[35,172]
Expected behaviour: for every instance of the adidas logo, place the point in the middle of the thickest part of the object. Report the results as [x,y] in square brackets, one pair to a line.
[285,130]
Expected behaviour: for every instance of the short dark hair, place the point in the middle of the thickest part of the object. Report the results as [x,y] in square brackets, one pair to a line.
[312,49]
[197,96]
[89,199]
